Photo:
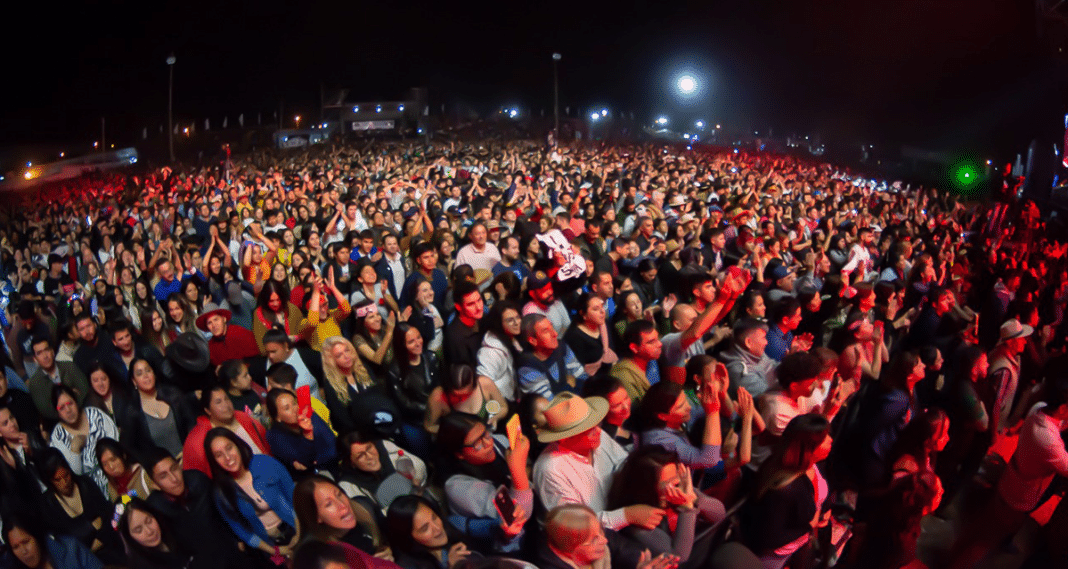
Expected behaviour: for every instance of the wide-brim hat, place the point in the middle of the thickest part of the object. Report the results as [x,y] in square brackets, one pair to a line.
[1012,329]
[189,351]
[211,309]
[569,415]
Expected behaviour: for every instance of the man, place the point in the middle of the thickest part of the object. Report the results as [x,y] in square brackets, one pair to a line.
[218,411]
[479,254]
[366,248]
[425,258]
[390,267]
[549,367]
[782,283]
[590,244]
[463,336]
[933,324]
[186,499]
[510,259]
[94,348]
[128,348]
[228,341]
[344,269]
[49,374]
[784,317]
[307,362]
[58,284]
[643,236]
[167,282]
[543,301]
[639,370]
[1040,455]
[713,251]
[747,364]
[33,326]
[578,465]
[609,263]
[602,286]
[1004,372]
[575,538]
[860,254]
[684,343]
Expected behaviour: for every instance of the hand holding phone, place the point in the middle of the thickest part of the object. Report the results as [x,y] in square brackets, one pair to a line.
[505,506]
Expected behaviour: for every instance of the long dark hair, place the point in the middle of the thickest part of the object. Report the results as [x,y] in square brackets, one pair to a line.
[638,481]
[271,286]
[307,512]
[15,520]
[399,520]
[494,320]
[400,348]
[224,481]
[452,434]
[156,557]
[917,438]
[793,454]
[658,399]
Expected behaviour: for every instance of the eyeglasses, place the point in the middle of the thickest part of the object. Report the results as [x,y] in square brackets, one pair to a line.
[485,440]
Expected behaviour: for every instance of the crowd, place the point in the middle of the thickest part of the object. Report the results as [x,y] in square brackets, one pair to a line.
[513,354]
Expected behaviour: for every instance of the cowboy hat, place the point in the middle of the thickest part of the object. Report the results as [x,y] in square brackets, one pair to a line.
[1013,329]
[569,415]
[211,309]
[189,351]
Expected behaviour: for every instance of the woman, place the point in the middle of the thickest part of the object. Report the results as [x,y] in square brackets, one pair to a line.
[193,296]
[74,506]
[419,537]
[500,346]
[105,393]
[325,513]
[664,411]
[125,477]
[253,493]
[474,464]
[968,416]
[322,322]
[653,476]
[245,395]
[463,391]
[923,438]
[752,305]
[646,284]
[617,423]
[33,548]
[426,317]
[367,462]
[180,316]
[273,310]
[630,310]
[370,287]
[414,374]
[372,339]
[157,416]
[354,399]
[305,444]
[77,433]
[154,330]
[151,544]
[786,504]
[588,336]
[19,484]
[861,348]
[255,265]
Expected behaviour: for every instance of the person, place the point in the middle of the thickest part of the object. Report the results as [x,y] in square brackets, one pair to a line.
[322,322]
[968,417]
[316,554]
[125,476]
[588,336]
[355,401]
[916,450]
[151,543]
[653,476]
[1004,374]
[787,501]
[326,513]
[747,363]
[474,464]
[228,341]
[304,443]
[463,336]
[245,395]
[275,311]
[783,318]
[547,367]
[577,467]
[158,414]
[32,548]
[543,301]
[575,537]
[130,346]
[617,422]
[412,377]
[368,462]
[420,538]
[373,338]
[479,253]
[77,433]
[21,405]
[94,347]
[19,482]
[639,369]
[667,409]
[308,364]
[184,499]
[500,347]
[50,372]
[797,374]
[424,269]
[464,391]
[75,506]
[253,493]
[218,411]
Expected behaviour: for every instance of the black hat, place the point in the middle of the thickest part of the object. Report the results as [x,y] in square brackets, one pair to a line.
[189,351]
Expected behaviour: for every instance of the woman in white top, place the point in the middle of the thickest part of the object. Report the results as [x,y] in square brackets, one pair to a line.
[77,432]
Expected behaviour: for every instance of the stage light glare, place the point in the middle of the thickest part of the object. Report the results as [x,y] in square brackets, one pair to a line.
[687,84]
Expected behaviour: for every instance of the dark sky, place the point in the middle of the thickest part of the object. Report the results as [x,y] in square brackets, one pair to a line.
[942,74]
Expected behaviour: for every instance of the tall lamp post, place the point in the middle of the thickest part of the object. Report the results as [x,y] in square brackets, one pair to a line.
[170,106]
[556,99]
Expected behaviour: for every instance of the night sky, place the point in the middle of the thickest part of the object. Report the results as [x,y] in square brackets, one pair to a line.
[938,74]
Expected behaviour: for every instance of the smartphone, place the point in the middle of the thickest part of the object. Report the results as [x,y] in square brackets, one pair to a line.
[512,428]
[304,401]
[504,504]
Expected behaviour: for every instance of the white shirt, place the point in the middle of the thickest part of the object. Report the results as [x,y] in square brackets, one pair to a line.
[304,376]
[563,477]
[1040,454]
[556,313]
[486,259]
[397,266]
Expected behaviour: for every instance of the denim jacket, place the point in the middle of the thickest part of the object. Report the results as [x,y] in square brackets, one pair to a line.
[273,483]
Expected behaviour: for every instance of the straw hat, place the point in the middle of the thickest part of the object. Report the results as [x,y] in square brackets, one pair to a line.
[569,415]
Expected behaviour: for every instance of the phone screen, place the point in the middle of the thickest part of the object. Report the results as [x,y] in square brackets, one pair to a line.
[304,401]
[512,428]
[504,504]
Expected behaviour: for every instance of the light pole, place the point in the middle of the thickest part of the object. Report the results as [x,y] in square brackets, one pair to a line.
[170,105]
[556,99]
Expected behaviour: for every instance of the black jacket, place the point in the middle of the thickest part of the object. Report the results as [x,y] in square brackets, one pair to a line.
[134,427]
[412,390]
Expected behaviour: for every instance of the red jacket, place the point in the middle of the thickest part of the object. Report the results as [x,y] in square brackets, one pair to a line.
[238,343]
[193,457]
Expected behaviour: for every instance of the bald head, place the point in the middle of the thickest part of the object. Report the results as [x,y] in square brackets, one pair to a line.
[569,526]
[682,316]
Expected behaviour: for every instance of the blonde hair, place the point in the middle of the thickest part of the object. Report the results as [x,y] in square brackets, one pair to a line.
[338,382]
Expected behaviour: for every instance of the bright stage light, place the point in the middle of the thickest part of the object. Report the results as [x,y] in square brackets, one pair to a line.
[687,84]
